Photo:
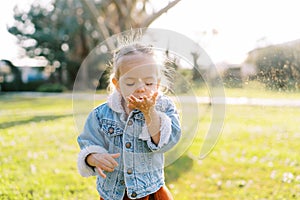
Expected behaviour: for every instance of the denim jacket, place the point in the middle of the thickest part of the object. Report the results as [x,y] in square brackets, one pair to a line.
[109,130]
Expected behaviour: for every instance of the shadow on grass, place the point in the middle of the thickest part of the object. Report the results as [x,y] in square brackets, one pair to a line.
[182,165]
[33,119]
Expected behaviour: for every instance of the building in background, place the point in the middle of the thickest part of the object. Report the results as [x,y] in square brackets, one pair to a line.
[10,77]
[16,78]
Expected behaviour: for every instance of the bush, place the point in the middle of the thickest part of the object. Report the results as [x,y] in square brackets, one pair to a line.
[51,87]
[232,78]
[278,66]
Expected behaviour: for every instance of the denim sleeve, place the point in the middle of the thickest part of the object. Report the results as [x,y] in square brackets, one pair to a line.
[90,141]
[170,131]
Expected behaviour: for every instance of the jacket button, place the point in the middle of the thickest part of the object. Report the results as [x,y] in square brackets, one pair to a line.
[130,122]
[128,145]
[122,182]
[129,171]
[133,194]
[111,130]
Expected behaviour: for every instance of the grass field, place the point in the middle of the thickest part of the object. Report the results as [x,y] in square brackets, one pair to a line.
[257,156]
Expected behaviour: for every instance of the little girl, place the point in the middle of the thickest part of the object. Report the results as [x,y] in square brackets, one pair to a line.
[124,139]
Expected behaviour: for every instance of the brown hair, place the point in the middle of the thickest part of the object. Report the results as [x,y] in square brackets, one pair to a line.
[133,49]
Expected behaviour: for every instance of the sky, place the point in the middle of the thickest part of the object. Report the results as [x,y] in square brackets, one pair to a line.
[9,49]
[241,25]
[226,29]
[6,40]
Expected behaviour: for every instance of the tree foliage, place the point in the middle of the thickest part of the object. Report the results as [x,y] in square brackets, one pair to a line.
[278,66]
[65,31]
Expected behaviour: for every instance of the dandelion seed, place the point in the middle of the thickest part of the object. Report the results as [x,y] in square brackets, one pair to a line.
[254,159]
[273,174]
[297,178]
[270,164]
[228,183]
[33,169]
[171,186]
[219,184]
[215,176]
[13,143]
[287,177]
[175,191]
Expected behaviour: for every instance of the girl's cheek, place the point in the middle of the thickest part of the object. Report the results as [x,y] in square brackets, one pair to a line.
[126,91]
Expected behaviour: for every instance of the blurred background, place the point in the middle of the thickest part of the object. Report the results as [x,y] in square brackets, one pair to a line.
[253,44]
[45,42]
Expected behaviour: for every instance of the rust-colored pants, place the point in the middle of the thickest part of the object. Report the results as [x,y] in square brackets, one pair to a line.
[162,194]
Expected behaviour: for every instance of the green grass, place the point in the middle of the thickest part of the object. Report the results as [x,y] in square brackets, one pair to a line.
[254,89]
[257,156]
[39,150]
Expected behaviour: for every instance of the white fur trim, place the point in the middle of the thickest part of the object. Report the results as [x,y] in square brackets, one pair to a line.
[165,129]
[165,132]
[114,101]
[83,168]
[145,135]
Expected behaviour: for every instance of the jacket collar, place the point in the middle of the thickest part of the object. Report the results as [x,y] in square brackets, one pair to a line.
[114,101]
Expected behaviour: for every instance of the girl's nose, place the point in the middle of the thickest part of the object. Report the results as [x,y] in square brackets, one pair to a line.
[141,86]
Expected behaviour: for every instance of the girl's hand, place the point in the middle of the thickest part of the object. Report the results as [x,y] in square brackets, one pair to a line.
[144,104]
[103,162]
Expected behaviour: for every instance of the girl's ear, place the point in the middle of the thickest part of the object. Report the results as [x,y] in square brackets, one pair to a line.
[116,83]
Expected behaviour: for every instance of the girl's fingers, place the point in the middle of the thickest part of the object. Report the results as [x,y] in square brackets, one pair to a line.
[154,95]
[107,168]
[133,102]
[106,162]
[131,106]
[115,155]
[145,99]
[100,172]
[111,159]
[142,104]
[132,99]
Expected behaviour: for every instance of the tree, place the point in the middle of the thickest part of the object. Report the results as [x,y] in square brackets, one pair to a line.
[64,32]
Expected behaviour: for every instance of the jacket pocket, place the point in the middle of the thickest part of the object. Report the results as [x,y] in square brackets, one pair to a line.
[113,132]
[111,128]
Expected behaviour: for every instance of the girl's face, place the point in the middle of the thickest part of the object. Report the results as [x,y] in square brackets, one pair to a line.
[138,76]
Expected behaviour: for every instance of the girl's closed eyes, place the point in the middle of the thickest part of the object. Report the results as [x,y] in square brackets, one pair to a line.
[147,81]
[150,81]
[130,83]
